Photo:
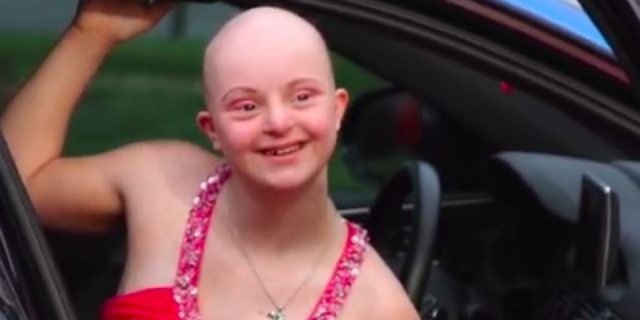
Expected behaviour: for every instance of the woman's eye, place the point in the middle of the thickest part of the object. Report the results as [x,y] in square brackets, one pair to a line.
[301,97]
[248,107]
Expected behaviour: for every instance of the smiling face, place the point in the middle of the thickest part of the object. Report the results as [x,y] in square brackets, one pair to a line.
[273,109]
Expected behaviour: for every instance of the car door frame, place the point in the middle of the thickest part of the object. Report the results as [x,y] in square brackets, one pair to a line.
[619,22]
[42,293]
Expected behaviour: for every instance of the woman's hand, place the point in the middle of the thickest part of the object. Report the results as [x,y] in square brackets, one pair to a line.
[115,21]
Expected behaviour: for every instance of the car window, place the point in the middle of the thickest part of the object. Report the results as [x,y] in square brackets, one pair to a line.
[151,88]
[471,115]
[567,15]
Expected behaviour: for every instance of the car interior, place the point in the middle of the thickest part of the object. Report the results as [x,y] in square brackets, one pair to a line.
[477,190]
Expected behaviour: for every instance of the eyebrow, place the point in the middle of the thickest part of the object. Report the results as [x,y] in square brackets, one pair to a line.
[303,81]
[238,89]
[252,90]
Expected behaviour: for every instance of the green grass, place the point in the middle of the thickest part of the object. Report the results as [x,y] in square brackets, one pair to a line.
[150,89]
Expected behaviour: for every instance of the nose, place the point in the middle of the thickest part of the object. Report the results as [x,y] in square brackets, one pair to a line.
[278,119]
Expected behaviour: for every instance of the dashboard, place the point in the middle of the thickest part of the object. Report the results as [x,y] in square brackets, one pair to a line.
[549,186]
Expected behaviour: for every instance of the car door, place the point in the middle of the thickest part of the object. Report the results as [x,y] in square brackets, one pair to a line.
[619,22]
[11,307]
[30,288]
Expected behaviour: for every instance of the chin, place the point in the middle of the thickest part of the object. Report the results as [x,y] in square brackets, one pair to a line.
[287,179]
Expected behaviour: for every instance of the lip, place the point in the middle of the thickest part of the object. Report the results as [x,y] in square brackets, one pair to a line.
[286,158]
[283,146]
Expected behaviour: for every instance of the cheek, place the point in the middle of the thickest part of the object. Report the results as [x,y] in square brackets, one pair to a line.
[321,125]
[238,136]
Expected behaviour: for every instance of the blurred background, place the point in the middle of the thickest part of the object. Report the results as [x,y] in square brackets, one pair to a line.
[149,88]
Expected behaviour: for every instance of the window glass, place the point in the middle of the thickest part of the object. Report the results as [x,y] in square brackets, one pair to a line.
[357,81]
[467,116]
[566,15]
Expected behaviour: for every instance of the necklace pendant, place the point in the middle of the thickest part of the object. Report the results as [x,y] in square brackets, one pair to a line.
[276,315]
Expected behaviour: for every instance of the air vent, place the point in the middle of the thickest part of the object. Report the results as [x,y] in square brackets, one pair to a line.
[562,305]
[587,311]
[572,304]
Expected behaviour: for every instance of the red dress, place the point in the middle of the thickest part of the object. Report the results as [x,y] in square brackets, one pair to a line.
[181,300]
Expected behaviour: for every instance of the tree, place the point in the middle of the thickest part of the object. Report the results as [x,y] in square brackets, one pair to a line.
[7,81]
[179,21]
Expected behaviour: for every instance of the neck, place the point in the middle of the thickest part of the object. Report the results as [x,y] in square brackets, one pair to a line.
[280,220]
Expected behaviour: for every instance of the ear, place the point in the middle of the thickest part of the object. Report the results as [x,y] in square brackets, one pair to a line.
[341,102]
[205,123]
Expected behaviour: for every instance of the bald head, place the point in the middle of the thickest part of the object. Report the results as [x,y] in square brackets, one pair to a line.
[263,40]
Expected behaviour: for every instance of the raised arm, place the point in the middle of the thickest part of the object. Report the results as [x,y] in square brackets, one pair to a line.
[77,193]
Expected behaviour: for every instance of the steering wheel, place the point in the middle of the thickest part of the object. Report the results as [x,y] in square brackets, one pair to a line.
[387,219]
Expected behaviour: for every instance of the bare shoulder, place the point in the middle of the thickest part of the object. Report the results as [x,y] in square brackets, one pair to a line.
[378,294]
[173,151]
[146,165]
[164,156]
[88,193]
[163,167]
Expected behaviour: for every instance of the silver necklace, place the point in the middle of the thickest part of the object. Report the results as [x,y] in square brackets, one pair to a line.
[278,312]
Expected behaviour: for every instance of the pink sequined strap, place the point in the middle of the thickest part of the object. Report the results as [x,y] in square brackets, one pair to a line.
[185,290]
[344,276]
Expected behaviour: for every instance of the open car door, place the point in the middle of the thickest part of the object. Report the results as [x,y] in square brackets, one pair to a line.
[30,287]
[619,22]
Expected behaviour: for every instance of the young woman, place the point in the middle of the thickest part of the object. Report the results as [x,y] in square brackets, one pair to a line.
[261,239]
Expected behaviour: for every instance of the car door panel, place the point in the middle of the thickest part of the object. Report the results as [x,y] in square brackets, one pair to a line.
[39,286]
[91,266]
[10,306]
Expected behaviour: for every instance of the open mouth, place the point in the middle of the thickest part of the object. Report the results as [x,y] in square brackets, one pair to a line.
[279,152]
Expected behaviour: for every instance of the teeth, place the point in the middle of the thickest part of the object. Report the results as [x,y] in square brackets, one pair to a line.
[281,152]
